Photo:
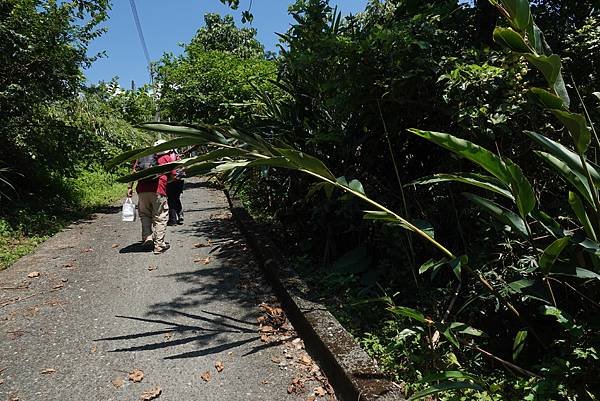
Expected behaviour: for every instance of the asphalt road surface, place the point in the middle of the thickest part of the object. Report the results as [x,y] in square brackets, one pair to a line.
[98,307]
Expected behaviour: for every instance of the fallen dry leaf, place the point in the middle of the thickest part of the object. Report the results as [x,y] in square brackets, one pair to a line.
[136,376]
[201,245]
[320,391]
[33,274]
[48,371]
[305,360]
[264,338]
[93,349]
[168,336]
[219,366]
[58,286]
[311,398]
[68,265]
[298,343]
[206,261]
[205,376]
[118,382]
[152,268]
[151,394]
[275,359]
[115,245]
[267,329]
[64,280]
[87,250]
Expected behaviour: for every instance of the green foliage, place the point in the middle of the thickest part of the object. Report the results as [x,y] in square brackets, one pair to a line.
[217,78]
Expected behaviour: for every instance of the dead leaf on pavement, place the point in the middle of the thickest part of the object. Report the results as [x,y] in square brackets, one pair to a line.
[118,382]
[202,245]
[320,392]
[264,338]
[58,286]
[64,280]
[151,394]
[87,250]
[93,349]
[152,268]
[311,398]
[219,366]
[136,376]
[305,360]
[205,376]
[48,371]
[275,359]
[115,245]
[298,343]
[267,329]
[206,261]
[168,336]
[33,274]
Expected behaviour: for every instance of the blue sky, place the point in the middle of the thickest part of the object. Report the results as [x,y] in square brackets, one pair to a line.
[167,23]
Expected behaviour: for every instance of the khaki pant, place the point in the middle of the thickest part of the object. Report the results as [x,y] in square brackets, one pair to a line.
[154,213]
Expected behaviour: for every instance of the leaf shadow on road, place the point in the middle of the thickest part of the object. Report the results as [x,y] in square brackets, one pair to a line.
[230,282]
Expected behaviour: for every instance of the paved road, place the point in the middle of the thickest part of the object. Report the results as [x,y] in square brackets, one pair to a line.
[102,307]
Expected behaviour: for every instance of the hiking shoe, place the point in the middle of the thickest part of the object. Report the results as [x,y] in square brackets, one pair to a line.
[162,249]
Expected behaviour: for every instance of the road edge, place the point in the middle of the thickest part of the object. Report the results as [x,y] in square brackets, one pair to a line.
[352,373]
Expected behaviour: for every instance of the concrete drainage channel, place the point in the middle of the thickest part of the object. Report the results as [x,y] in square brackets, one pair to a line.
[350,370]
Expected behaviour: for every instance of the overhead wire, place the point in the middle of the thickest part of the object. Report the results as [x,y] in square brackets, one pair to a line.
[138,25]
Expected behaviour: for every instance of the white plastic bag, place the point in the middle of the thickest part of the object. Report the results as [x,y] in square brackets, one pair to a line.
[128,211]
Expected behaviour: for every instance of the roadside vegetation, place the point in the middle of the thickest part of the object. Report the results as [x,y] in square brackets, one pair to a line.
[432,167]
[56,134]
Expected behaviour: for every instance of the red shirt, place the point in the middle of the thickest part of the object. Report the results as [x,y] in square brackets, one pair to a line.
[159,184]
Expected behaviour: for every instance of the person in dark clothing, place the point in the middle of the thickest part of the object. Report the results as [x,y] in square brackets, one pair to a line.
[174,191]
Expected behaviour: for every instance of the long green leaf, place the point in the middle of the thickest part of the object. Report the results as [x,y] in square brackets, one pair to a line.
[204,133]
[511,39]
[505,171]
[521,189]
[306,162]
[519,12]
[154,171]
[549,66]
[443,387]
[519,343]
[478,180]
[409,313]
[577,126]
[565,155]
[552,253]
[579,210]
[573,177]
[470,151]
[546,99]
[500,213]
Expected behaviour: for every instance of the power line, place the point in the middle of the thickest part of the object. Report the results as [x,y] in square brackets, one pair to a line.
[141,35]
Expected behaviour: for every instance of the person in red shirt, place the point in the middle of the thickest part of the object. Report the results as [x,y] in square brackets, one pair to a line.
[153,207]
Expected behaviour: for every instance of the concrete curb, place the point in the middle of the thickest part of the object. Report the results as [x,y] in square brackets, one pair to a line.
[350,370]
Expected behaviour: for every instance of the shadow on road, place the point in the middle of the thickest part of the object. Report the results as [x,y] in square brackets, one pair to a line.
[136,247]
[211,294]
